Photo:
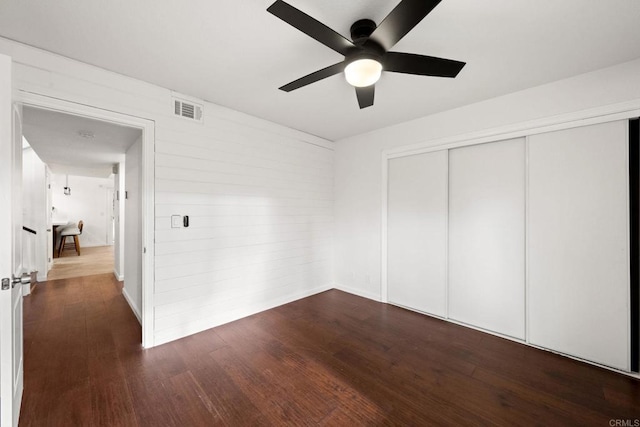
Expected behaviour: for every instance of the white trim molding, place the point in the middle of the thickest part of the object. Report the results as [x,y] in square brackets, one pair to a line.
[609,113]
[357,292]
[134,307]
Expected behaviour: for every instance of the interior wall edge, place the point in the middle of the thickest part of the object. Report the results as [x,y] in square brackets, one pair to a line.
[134,308]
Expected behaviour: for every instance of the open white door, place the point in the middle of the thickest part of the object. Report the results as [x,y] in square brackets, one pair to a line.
[11,369]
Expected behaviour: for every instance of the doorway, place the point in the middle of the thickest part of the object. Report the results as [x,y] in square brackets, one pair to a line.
[140,134]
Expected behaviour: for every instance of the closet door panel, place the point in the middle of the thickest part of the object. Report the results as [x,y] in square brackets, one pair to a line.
[578,246]
[486,236]
[417,232]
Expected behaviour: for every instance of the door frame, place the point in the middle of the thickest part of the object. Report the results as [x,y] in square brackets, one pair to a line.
[147,185]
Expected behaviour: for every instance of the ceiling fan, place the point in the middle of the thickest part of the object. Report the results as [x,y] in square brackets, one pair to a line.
[367,53]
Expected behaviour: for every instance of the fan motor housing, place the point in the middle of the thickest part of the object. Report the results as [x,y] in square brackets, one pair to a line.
[361,30]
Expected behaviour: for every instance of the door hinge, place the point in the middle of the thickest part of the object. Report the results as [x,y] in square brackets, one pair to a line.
[6,284]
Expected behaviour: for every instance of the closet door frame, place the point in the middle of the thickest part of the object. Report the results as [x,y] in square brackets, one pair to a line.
[622,111]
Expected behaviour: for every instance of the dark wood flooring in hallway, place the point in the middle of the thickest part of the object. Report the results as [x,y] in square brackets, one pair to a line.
[332,359]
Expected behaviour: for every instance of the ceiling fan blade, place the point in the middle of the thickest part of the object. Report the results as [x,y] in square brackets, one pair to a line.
[314,77]
[311,27]
[410,63]
[365,96]
[401,20]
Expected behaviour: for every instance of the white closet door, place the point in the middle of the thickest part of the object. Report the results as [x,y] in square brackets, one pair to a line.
[578,246]
[486,236]
[417,232]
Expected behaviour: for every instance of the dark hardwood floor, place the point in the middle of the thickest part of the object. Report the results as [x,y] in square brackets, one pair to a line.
[332,359]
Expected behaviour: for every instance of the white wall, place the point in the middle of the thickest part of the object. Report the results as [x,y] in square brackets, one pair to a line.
[34,206]
[259,196]
[133,227]
[87,202]
[358,171]
[118,214]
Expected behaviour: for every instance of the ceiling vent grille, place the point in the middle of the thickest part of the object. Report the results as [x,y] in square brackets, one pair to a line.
[187,110]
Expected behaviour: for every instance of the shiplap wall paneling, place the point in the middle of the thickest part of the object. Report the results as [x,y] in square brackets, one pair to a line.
[578,246]
[486,236]
[417,232]
[260,214]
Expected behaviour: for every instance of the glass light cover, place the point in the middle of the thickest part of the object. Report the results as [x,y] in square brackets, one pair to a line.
[363,72]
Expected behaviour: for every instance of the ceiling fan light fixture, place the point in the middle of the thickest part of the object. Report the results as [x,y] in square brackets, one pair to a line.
[363,72]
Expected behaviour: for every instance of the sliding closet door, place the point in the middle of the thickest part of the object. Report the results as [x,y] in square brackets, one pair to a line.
[417,232]
[578,246]
[486,236]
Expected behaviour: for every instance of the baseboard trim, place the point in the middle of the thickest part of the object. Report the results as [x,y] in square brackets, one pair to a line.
[134,308]
[357,292]
[165,336]
[119,277]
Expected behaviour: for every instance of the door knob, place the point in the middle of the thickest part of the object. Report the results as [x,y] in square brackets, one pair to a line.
[25,279]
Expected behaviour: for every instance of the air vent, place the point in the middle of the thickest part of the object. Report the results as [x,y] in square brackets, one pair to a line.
[187,110]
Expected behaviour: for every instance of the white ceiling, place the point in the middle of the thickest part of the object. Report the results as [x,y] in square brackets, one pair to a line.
[56,138]
[235,54]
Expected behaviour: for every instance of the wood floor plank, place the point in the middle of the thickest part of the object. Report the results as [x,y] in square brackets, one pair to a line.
[111,403]
[331,359]
[269,396]
[192,403]
[280,366]
[152,403]
[233,406]
[68,406]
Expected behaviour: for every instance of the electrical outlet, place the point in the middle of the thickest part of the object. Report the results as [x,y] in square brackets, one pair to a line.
[176,221]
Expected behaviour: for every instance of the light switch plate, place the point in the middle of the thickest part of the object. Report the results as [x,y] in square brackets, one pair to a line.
[176,221]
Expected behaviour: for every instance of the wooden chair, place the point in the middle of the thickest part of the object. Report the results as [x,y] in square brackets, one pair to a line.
[68,232]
